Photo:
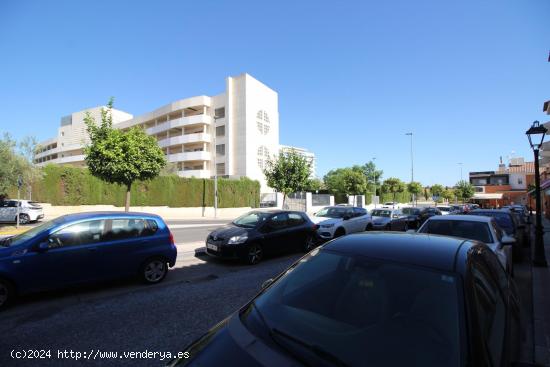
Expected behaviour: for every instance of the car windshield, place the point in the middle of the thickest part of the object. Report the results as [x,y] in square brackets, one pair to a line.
[443,208]
[381,213]
[332,212]
[22,237]
[478,231]
[349,310]
[251,220]
[503,219]
[410,211]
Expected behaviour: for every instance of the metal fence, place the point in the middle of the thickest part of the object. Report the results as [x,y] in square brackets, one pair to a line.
[295,201]
[320,199]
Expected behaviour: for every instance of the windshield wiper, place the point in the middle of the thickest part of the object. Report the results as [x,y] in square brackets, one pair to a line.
[318,351]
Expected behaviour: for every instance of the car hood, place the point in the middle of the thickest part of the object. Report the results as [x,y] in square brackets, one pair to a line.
[380,220]
[228,231]
[325,220]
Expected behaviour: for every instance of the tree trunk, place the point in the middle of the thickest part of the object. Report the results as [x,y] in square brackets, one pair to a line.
[284,199]
[127,205]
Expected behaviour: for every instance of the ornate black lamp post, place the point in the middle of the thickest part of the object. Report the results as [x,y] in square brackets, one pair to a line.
[536,135]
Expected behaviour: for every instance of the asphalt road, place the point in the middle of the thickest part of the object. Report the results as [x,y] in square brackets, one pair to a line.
[128,317]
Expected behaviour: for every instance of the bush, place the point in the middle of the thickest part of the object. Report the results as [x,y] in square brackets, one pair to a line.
[64,185]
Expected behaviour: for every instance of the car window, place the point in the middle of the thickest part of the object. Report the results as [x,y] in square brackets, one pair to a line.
[82,233]
[251,220]
[359,212]
[504,220]
[278,221]
[381,213]
[124,228]
[490,310]
[150,228]
[295,219]
[478,231]
[12,204]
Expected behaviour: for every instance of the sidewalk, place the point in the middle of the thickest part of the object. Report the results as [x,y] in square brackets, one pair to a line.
[541,304]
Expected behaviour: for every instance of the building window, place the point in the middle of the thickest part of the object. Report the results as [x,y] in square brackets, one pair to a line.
[219,112]
[520,181]
[220,130]
[261,163]
[262,122]
[220,168]
[220,149]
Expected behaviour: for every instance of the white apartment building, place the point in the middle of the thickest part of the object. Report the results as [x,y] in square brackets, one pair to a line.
[231,134]
[310,157]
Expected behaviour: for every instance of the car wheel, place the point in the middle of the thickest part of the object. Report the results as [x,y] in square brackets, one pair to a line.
[339,232]
[24,218]
[154,270]
[369,227]
[309,244]
[6,293]
[406,227]
[254,254]
[388,227]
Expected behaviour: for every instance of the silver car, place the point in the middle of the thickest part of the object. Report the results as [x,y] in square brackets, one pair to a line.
[389,220]
[29,211]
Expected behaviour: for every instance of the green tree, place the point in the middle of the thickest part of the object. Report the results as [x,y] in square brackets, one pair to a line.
[354,182]
[372,175]
[334,180]
[448,194]
[394,186]
[415,189]
[437,190]
[28,148]
[464,190]
[426,193]
[121,157]
[315,184]
[12,165]
[288,173]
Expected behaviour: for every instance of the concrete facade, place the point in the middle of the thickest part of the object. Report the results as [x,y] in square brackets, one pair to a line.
[231,134]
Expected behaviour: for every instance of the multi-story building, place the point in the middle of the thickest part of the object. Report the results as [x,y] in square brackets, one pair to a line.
[231,134]
[309,156]
[507,185]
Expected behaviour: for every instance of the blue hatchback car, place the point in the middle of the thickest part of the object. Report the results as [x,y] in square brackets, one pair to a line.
[83,248]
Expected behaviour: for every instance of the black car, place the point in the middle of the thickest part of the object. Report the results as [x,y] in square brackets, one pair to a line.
[262,232]
[376,299]
[508,221]
[413,217]
[426,213]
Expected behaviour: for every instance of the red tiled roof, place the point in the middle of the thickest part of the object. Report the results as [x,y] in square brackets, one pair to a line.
[527,167]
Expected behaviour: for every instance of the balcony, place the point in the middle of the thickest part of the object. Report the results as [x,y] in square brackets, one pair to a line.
[189,156]
[184,139]
[182,121]
[198,173]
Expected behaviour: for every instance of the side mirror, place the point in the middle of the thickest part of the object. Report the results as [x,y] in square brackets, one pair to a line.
[267,283]
[508,240]
[43,247]
[411,231]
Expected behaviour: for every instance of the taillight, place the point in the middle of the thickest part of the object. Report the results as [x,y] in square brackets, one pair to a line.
[172,239]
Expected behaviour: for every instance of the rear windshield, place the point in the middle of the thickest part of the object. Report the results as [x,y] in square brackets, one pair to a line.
[503,220]
[477,231]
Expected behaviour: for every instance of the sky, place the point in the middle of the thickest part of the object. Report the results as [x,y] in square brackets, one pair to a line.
[467,78]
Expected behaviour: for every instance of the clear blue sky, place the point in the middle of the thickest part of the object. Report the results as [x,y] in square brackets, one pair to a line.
[466,77]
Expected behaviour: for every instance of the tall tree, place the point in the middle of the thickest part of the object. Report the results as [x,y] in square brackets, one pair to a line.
[288,173]
[12,165]
[28,148]
[448,194]
[415,189]
[464,190]
[314,184]
[437,190]
[121,157]
[394,186]
[372,175]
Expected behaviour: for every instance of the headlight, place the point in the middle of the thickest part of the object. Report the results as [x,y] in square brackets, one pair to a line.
[327,225]
[237,239]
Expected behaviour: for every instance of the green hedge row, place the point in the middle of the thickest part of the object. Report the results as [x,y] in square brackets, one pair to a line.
[63,185]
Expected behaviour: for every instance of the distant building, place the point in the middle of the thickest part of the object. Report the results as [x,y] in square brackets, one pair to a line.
[507,185]
[306,154]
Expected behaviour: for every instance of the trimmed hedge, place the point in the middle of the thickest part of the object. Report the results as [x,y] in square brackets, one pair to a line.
[64,185]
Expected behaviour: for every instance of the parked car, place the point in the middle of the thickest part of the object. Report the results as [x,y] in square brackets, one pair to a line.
[507,220]
[376,299]
[83,248]
[457,209]
[444,209]
[336,221]
[426,213]
[29,211]
[390,204]
[413,216]
[262,232]
[473,227]
[389,220]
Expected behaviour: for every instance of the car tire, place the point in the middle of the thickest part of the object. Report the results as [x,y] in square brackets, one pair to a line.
[406,227]
[368,228]
[254,254]
[309,244]
[154,270]
[388,227]
[24,218]
[339,232]
[6,293]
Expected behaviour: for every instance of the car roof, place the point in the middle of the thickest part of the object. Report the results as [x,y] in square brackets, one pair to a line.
[426,250]
[469,218]
[104,214]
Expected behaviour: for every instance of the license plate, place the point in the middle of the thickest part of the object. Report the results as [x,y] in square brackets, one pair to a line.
[212,247]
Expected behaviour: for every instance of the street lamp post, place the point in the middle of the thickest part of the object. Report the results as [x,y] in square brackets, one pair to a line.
[536,134]
[412,165]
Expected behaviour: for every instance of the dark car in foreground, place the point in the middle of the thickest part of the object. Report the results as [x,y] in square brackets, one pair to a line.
[258,233]
[375,299]
[84,248]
